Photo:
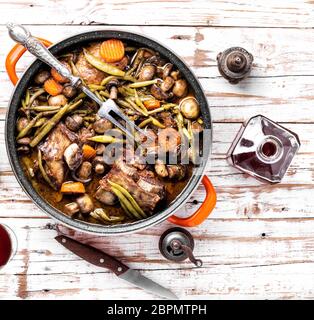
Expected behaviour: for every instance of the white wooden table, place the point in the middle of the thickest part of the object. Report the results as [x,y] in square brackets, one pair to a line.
[259,241]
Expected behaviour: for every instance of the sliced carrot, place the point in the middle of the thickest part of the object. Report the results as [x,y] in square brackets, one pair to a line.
[53,87]
[112,50]
[72,187]
[57,76]
[152,104]
[88,152]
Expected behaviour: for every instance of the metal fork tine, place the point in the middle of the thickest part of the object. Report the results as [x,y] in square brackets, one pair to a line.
[110,105]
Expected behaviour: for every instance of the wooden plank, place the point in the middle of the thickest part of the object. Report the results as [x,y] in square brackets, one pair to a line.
[276,255]
[277,52]
[279,14]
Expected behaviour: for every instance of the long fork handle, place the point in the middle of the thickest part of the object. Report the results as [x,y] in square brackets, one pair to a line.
[21,35]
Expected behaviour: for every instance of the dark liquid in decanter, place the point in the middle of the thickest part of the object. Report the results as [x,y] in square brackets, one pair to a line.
[263,149]
[5,246]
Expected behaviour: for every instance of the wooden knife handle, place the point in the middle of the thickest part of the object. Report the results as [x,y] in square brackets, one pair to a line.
[93,255]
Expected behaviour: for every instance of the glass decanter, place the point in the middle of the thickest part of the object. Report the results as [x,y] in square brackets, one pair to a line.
[263,149]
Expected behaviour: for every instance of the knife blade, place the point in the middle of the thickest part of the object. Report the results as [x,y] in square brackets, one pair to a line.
[104,260]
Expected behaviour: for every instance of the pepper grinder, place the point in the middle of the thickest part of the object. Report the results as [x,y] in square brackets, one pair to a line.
[234,64]
[177,244]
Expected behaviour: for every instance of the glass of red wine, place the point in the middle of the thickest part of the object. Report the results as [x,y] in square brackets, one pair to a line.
[8,244]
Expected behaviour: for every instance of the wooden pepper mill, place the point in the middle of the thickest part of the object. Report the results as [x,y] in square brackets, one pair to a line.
[235,64]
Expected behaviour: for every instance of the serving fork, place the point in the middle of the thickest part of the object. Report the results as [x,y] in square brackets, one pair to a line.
[108,109]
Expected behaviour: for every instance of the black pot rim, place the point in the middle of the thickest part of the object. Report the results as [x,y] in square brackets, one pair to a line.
[66,44]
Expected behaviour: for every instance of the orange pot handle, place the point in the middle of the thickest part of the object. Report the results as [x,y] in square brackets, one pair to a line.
[203,211]
[14,56]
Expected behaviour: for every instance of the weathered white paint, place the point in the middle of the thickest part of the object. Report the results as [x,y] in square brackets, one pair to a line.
[239,262]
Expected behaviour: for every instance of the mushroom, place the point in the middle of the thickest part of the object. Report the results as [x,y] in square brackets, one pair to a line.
[42,76]
[59,100]
[69,91]
[177,171]
[100,149]
[21,124]
[73,156]
[158,93]
[74,122]
[25,141]
[167,84]
[71,208]
[23,149]
[85,203]
[85,170]
[102,125]
[161,169]
[166,69]
[190,108]
[196,127]
[105,196]
[176,75]
[99,165]
[147,72]
[180,88]
[112,87]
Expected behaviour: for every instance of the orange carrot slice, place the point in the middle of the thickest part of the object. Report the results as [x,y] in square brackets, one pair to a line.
[112,50]
[88,152]
[53,87]
[57,76]
[72,187]
[152,104]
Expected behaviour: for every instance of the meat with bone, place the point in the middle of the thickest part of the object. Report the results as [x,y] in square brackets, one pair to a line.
[145,188]
[53,149]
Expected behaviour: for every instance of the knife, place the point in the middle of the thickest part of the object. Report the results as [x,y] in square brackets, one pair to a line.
[104,260]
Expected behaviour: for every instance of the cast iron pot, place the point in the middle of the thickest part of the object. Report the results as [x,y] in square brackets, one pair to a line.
[79,40]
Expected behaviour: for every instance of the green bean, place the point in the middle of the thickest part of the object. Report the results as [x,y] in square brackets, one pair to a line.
[100,97]
[156,123]
[123,103]
[34,97]
[126,210]
[106,80]
[161,109]
[105,94]
[27,97]
[29,126]
[103,66]
[40,122]
[75,71]
[45,108]
[105,139]
[51,123]
[28,164]
[43,172]
[125,203]
[136,107]
[129,198]
[101,215]
[89,118]
[74,105]
[145,122]
[139,102]
[96,87]
[23,104]
[143,83]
